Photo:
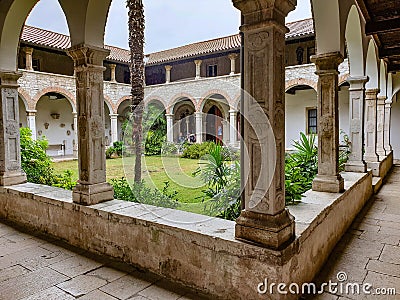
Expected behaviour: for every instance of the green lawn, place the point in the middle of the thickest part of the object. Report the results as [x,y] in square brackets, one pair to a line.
[156,171]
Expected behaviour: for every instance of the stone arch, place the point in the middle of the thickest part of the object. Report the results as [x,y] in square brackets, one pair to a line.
[221,102]
[383,79]
[372,66]
[26,99]
[109,103]
[354,42]
[177,98]
[300,81]
[151,99]
[214,92]
[69,96]
[123,99]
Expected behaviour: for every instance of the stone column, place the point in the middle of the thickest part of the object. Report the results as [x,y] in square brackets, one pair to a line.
[233,57]
[28,59]
[10,150]
[380,127]
[114,128]
[232,128]
[31,122]
[170,127]
[371,97]
[264,219]
[75,143]
[356,161]
[198,68]
[388,124]
[92,187]
[328,178]
[168,74]
[199,127]
[112,68]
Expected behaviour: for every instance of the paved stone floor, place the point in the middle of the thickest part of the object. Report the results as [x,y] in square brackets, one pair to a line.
[369,253]
[34,268]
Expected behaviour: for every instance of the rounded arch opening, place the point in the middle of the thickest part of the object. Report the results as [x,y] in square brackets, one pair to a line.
[354,42]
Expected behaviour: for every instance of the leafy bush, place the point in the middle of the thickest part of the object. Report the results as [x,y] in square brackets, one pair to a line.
[154,142]
[65,180]
[155,128]
[119,148]
[34,160]
[300,168]
[168,149]
[139,193]
[196,151]
[110,152]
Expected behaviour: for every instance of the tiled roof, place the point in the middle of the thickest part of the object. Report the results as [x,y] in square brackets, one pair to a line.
[297,29]
[42,37]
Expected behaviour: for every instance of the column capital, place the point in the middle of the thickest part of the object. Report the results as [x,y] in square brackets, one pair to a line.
[199,114]
[31,113]
[112,66]
[198,62]
[114,116]
[255,11]
[9,78]
[74,114]
[388,102]
[371,94]
[28,50]
[84,55]
[233,56]
[168,67]
[357,82]
[233,111]
[169,115]
[327,63]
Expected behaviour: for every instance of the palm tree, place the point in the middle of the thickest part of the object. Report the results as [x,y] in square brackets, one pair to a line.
[136,45]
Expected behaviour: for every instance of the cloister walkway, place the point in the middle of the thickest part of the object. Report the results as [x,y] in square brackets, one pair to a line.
[370,250]
[35,268]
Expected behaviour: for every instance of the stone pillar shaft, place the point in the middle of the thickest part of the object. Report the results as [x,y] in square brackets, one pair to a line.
[233,57]
[199,127]
[114,128]
[28,59]
[380,127]
[356,161]
[92,187]
[112,68]
[328,178]
[168,69]
[232,128]
[75,142]
[198,68]
[388,123]
[170,127]
[371,96]
[10,153]
[264,220]
[31,122]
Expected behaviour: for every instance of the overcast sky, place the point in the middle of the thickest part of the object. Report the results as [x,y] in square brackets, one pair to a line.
[169,23]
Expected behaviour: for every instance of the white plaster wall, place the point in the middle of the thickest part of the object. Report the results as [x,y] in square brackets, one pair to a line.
[22,113]
[394,134]
[55,134]
[344,118]
[296,115]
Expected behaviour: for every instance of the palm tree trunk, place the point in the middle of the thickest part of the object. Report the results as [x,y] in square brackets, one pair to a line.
[136,45]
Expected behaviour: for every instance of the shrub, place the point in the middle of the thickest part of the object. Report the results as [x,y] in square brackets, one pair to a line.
[139,193]
[119,148]
[34,160]
[65,180]
[168,149]
[110,152]
[196,151]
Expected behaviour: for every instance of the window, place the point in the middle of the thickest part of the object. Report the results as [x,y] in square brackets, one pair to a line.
[36,64]
[310,52]
[212,71]
[311,120]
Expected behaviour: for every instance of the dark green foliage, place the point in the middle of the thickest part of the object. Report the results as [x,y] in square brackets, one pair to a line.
[223,184]
[155,129]
[300,168]
[196,151]
[110,152]
[119,148]
[34,160]
[169,149]
[139,193]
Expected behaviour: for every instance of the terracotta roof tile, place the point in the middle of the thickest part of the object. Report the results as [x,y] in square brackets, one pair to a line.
[42,37]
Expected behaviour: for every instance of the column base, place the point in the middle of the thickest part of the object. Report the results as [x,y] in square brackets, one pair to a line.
[274,232]
[12,179]
[329,184]
[356,166]
[92,194]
